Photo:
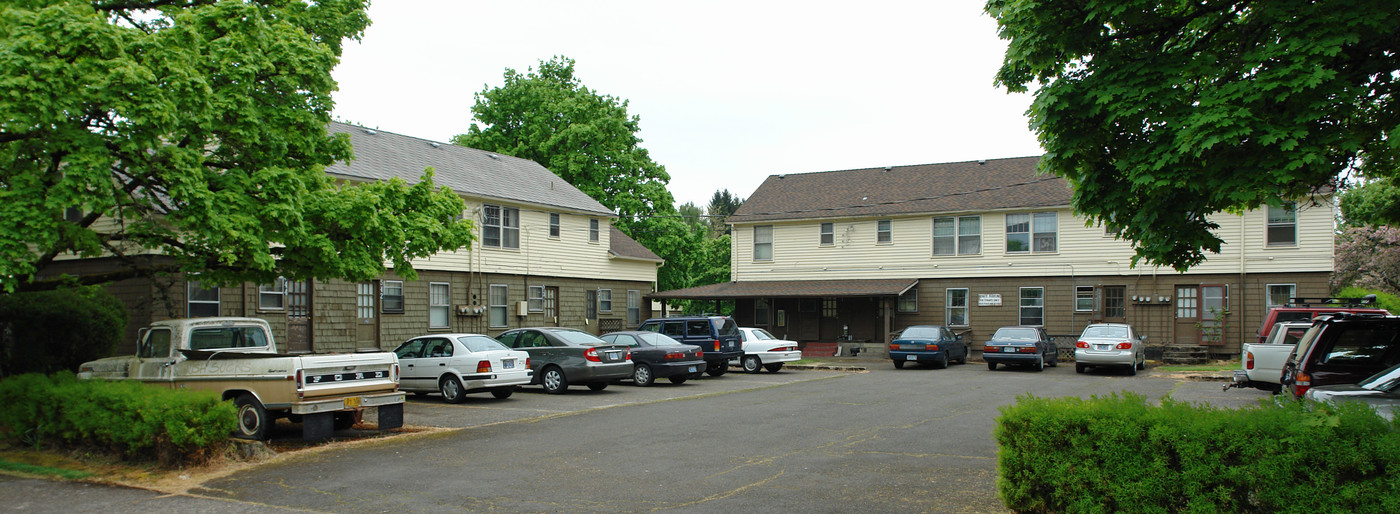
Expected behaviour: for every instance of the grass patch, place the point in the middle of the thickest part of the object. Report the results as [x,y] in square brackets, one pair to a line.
[1210,366]
[31,469]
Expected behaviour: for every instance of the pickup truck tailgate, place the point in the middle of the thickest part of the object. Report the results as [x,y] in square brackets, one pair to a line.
[343,374]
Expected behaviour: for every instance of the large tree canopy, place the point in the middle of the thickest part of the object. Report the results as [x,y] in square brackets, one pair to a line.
[196,130]
[1163,112]
[586,138]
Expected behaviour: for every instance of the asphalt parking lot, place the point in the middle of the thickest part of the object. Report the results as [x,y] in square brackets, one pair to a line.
[824,441]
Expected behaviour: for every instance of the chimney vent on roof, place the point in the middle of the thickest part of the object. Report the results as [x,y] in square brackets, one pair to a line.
[782,175]
[435,144]
[494,156]
[370,131]
[887,168]
[981,162]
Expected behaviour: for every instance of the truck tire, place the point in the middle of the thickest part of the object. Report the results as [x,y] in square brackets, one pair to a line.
[252,418]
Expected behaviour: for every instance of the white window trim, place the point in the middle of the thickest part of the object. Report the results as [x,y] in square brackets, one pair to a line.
[1092,298]
[556,222]
[500,226]
[1020,296]
[491,307]
[822,234]
[756,243]
[899,301]
[888,231]
[957,236]
[1031,234]
[383,293]
[634,307]
[535,298]
[1267,295]
[966,307]
[595,229]
[1269,225]
[276,288]
[609,300]
[189,297]
[446,307]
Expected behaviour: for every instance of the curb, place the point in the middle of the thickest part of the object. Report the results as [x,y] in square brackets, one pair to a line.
[827,367]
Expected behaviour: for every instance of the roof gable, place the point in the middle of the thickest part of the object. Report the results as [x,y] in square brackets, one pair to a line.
[620,245]
[925,188]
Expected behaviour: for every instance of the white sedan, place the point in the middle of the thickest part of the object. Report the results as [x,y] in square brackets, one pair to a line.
[457,364]
[763,351]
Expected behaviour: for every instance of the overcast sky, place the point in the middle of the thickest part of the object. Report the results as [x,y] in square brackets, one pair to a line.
[729,92]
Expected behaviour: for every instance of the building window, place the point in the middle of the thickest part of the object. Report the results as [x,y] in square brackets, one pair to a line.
[909,301]
[761,312]
[364,301]
[590,304]
[605,300]
[498,300]
[634,307]
[500,227]
[536,298]
[1084,298]
[960,235]
[392,296]
[1283,225]
[884,232]
[1032,232]
[202,301]
[1186,302]
[1115,302]
[763,243]
[273,297]
[828,234]
[1032,306]
[554,225]
[438,295]
[1279,295]
[957,308]
[828,307]
[593,230]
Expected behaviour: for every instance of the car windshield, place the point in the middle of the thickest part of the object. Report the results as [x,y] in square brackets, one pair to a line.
[1015,334]
[1105,332]
[656,339]
[922,333]
[726,327]
[1384,381]
[577,337]
[761,334]
[481,343]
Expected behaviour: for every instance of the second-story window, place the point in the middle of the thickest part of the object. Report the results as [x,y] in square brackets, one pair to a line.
[828,234]
[553,224]
[500,227]
[1283,225]
[763,243]
[1032,232]
[593,230]
[961,235]
[884,231]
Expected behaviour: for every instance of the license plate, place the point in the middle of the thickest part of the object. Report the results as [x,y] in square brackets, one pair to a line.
[352,402]
[614,355]
[1101,347]
[1008,350]
[912,358]
[692,369]
[507,363]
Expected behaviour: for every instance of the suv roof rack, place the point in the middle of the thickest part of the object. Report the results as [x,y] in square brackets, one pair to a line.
[1369,299]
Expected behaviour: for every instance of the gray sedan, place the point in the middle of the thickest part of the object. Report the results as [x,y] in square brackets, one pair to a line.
[564,356]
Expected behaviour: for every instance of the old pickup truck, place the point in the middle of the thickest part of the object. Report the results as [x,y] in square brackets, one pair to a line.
[1261,364]
[237,358]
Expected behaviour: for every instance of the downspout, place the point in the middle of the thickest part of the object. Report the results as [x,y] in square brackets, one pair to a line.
[1244,275]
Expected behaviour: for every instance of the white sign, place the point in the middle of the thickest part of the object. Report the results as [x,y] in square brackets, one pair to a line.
[989,300]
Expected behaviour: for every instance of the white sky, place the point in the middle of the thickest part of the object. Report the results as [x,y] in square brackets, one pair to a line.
[728,92]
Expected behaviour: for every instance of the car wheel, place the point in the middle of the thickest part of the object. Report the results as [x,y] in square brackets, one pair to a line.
[752,364]
[1040,363]
[678,379]
[963,360]
[641,375]
[1132,369]
[554,381]
[420,393]
[991,366]
[898,364]
[502,393]
[252,418]
[774,367]
[1143,364]
[597,386]
[1054,360]
[717,369]
[451,389]
[344,420]
[943,363]
[1079,368]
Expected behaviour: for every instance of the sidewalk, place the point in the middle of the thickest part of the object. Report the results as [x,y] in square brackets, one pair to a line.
[858,364]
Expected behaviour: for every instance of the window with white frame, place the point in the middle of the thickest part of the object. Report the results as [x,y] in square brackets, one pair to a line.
[202,301]
[884,231]
[763,242]
[605,300]
[1283,225]
[761,312]
[1032,232]
[1032,306]
[960,235]
[828,234]
[593,230]
[634,307]
[438,295]
[364,302]
[498,305]
[1279,295]
[500,226]
[1084,298]
[957,307]
[909,301]
[554,224]
[536,298]
[273,297]
[392,296]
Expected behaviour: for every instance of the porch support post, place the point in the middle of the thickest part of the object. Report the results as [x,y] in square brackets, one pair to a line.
[885,341]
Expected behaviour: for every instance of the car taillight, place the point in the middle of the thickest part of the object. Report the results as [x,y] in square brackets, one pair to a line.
[591,355]
[483,367]
[716,345]
[675,355]
[989,349]
[527,363]
[1301,383]
[1028,349]
[931,347]
[1248,360]
[628,355]
[1124,346]
[1081,344]
[301,382]
[699,353]
[396,373]
[894,347]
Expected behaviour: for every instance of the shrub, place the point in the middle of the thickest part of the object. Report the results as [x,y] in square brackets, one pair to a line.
[1120,454]
[128,418]
[49,331]
[1384,300]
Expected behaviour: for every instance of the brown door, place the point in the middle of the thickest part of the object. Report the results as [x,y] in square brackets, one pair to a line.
[1114,308]
[551,305]
[367,319]
[1185,330]
[299,316]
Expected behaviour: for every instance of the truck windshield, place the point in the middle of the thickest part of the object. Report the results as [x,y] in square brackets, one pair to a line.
[227,337]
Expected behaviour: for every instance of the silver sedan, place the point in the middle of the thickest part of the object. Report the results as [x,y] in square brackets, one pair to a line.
[1110,344]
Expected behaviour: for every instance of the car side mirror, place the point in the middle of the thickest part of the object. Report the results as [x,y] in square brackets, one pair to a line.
[1142,338]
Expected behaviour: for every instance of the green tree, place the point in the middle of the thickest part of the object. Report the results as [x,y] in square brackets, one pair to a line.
[1162,112]
[722,205]
[586,138]
[1374,203]
[195,130]
[691,214]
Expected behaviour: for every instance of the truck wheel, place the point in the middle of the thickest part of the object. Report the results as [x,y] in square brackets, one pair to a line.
[717,368]
[774,367]
[346,419]
[451,389]
[502,393]
[252,418]
[641,375]
[752,364]
[554,381]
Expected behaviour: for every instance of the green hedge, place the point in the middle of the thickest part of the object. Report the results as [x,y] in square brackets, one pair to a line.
[128,418]
[50,331]
[1120,454]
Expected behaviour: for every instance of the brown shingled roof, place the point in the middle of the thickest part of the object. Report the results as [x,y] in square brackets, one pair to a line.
[621,245]
[924,188]
[791,289]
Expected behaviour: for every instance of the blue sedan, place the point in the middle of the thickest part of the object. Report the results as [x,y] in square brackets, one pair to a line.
[928,343]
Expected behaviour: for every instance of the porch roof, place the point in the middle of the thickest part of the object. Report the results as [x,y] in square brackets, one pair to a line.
[791,289]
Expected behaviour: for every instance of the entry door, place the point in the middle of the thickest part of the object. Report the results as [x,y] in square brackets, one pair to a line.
[1188,314]
[299,316]
[551,305]
[367,322]
[1215,302]
[1113,308]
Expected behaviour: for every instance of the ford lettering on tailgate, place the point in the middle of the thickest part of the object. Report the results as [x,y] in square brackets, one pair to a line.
[345,377]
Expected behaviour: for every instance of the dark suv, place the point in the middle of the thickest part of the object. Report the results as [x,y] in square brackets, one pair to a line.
[717,337]
[1342,348]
